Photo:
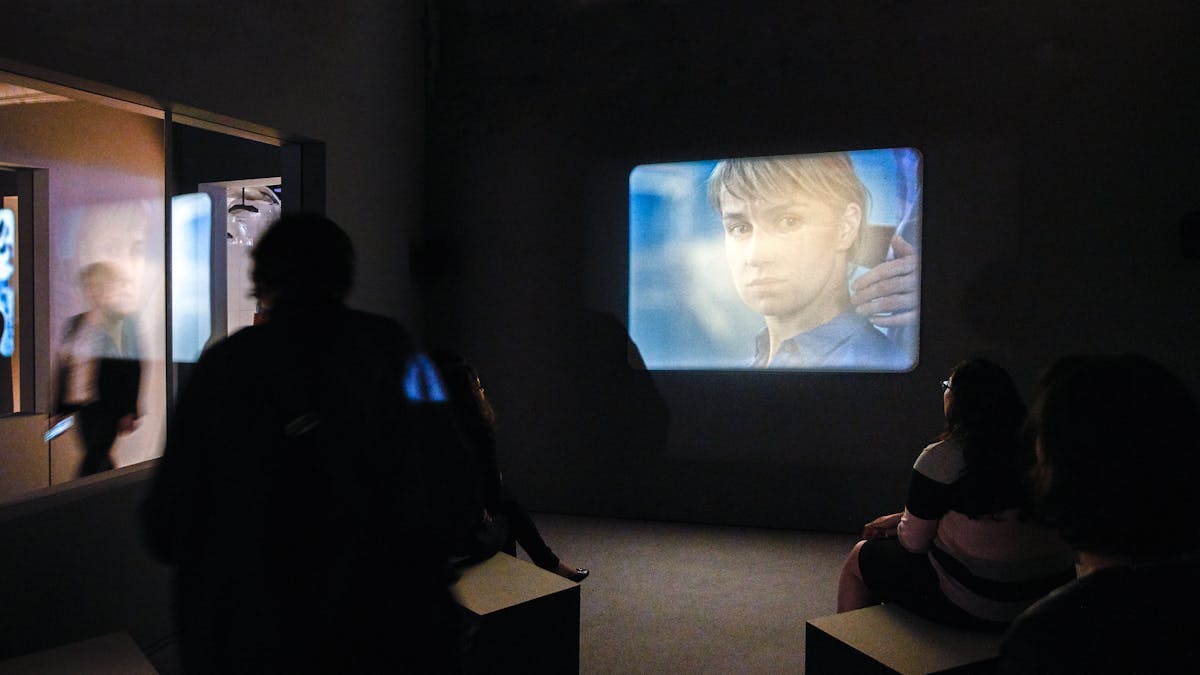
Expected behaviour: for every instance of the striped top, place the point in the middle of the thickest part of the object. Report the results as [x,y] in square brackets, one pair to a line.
[992,566]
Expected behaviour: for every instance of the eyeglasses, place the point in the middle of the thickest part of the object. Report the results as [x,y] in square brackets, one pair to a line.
[945,385]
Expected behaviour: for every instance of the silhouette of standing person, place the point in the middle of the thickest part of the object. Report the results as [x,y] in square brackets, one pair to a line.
[311,484]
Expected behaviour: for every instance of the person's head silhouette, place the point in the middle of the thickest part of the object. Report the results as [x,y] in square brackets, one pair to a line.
[1117,456]
[302,258]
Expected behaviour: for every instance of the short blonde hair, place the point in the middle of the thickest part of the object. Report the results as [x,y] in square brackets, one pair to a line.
[828,177]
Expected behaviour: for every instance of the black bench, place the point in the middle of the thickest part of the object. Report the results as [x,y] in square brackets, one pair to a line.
[528,618]
[886,639]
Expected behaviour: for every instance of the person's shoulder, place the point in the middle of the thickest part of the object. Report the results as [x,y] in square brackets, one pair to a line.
[371,320]
[241,337]
[872,348]
[1101,595]
[379,327]
[945,446]
[1113,607]
[1064,600]
[1051,619]
[1036,641]
[232,346]
[72,323]
[228,363]
[1173,577]
[942,461]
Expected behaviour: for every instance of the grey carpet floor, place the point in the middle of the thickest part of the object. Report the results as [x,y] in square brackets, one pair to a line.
[684,598]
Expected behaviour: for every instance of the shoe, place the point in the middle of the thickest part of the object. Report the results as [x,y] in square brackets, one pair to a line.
[576,574]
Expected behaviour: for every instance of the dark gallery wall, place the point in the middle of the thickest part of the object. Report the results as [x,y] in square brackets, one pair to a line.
[351,76]
[202,156]
[1059,145]
[348,74]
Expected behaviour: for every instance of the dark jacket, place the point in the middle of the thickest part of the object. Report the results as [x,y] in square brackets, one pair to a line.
[1132,619]
[118,372]
[307,496]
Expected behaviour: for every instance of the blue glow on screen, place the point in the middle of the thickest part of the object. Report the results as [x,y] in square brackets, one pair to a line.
[684,309]
[8,300]
[191,291]
[422,383]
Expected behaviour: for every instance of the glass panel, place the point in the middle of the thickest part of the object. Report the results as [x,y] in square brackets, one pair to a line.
[251,209]
[191,287]
[106,275]
[106,297]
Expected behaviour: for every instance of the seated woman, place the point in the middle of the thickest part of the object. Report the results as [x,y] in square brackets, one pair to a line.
[962,551]
[504,522]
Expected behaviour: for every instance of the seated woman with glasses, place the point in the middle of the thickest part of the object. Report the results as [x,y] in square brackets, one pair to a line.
[962,552]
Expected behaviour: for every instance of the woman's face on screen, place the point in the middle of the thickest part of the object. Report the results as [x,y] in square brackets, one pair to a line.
[783,252]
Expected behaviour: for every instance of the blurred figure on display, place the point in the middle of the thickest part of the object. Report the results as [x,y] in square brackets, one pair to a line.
[104,350]
[99,370]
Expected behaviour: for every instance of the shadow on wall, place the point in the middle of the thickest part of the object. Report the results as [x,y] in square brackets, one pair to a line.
[621,419]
